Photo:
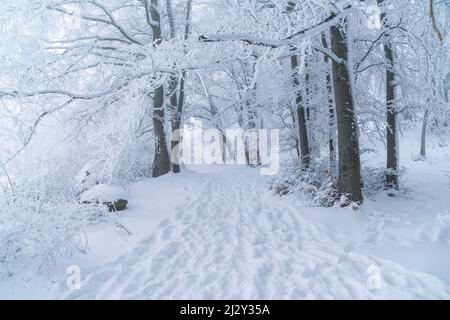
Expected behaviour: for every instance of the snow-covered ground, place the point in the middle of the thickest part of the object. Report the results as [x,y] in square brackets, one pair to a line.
[218,232]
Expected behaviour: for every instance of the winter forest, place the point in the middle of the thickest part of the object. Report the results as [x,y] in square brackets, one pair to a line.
[224,149]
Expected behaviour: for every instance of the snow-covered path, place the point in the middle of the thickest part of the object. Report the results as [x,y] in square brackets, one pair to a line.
[236,241]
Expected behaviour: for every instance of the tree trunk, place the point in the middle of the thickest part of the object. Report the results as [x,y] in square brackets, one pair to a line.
[423,151]
[331,126]
[173,99]
[161,163]
[176,125]
[349,178]
[446,87]
[294,119]
[391,115]
[179,102]
[331,112]
[251,155]
[301,116]
[392,147]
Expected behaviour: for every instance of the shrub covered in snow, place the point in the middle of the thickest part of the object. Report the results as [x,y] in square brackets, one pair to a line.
[111,196]
[374,180]
[102,193]
[38,230]
[317,185]
[41,215]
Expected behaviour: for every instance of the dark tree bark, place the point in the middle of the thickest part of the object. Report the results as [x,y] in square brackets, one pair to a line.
[303,145]
[176,134]
[391,115]
[294,119]
[251,126]
[176,125]
[173,99]
[423,150]
[446,88]
[349,178]
[331,126]
[161,163]
[301,116]
[331,112]
[178,102]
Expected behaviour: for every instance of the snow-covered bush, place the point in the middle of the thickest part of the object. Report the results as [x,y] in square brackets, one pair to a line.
[36,229]
[102,193]
[111,196]
[374,180]
[116,147]
[41,215]
[316,185]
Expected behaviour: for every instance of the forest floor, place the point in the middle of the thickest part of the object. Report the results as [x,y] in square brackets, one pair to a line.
[219,233]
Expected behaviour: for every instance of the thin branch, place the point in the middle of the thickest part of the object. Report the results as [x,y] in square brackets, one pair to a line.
[290,40]
[111,22]
[434,23]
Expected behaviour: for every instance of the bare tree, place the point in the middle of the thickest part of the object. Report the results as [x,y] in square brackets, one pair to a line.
[301,115]
[391,114]
[161,164]
[177,98]
[349,179]
[331,111]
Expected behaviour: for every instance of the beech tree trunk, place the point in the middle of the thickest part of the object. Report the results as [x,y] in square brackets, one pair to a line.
[161,163]
[392,165]
[331,112]
[178,102]
[301,116]
[423,150]
[349,177]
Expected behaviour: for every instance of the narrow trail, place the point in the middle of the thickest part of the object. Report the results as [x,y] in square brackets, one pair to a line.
[235,241]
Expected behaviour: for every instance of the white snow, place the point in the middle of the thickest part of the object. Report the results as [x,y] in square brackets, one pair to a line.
[103,193]
[218,233]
